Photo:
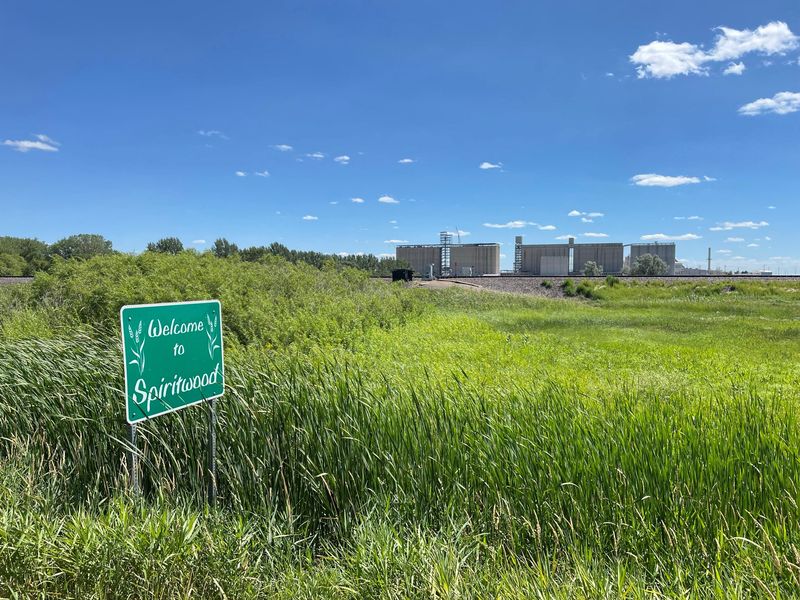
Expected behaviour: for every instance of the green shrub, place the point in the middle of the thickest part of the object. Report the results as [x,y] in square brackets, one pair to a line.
[611,280]
[26,323]
[12,265]
[587,290]
[584,288]
[547,284]
[592,269]
[272,303]
[649,265]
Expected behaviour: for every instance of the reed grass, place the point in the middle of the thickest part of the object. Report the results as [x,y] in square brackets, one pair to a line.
[640,445]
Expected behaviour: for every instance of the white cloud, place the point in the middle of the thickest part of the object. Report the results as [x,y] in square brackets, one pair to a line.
[310,218]
[283,147]
[508,225]
[487,165]
[666,59]
[723,252]
[767,238]
[316,155]
[212,133]
[734,239]
[343,159]
[395,241]
[781,103]
[42,142]
[585,215]
[771,207]
[43,138]
[566,236]
[586,220]
[393,222]
[388,200]
[671,238]
[770,39]
[728,225]
[263,173]
[752,245]
[458,232]
[198,242]
[385,255]
[357,200]
[241,174]
[334,202]
[691,218]
[734,69]
[595,235]
[519,225]
[655,180]
[406,161]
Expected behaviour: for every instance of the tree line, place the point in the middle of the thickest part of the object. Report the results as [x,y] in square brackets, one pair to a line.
[26,256]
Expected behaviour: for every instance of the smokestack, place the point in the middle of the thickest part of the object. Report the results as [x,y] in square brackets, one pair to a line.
[709,261]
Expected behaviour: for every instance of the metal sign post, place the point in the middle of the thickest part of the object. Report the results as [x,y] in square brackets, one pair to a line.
[212,452]
[133,460]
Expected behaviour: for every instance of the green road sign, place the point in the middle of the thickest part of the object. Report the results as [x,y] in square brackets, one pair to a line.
[173,356]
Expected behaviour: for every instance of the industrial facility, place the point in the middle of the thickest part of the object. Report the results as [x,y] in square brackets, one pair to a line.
[665,252]
[565,259]
[447,259]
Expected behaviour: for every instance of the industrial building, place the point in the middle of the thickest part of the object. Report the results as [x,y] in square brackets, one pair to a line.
[553,260]
[447,259]
[665,252]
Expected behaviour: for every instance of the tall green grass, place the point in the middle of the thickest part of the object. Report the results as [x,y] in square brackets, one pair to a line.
[622,472]
[481,445]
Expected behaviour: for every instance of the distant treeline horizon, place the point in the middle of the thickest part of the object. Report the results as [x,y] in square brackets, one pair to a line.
[21,256]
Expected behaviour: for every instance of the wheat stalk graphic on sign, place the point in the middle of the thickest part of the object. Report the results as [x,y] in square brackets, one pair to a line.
[138,349]
[212,332]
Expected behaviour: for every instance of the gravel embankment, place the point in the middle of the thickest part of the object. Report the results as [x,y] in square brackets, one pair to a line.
[13,280]
[533,285]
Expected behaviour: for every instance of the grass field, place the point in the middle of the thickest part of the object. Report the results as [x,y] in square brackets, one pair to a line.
[409,443]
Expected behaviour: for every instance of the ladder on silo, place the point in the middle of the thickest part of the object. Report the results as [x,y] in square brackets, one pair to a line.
[446,240]
[518,254]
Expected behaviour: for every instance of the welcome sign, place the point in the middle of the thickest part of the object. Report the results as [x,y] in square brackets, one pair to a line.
[173,356]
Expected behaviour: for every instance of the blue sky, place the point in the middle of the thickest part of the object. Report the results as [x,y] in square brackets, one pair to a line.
[263,122]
